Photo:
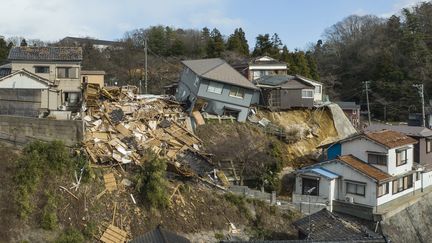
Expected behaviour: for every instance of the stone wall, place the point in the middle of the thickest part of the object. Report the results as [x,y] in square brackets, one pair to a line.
[21,130]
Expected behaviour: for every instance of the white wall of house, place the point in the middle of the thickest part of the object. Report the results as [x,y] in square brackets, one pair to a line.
[348,173]
[65,84]
[22,81]
[391,164]
[427,179]
[324,185]
[359,147]
[318,93]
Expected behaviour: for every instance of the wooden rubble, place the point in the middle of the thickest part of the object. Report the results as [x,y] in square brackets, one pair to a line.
[121,127]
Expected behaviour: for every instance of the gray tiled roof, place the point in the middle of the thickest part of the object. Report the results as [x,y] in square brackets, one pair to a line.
[160,235]
[347,105]
[31,53]
[415,131]
[327,226]
[218,70]
[283,81]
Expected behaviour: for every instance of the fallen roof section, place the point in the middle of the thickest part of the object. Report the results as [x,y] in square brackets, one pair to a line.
[160,235]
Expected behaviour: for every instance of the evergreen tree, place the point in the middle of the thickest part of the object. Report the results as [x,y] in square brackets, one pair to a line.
[263,45]
[4,51]
[23,42]
[237,42]
[215,44]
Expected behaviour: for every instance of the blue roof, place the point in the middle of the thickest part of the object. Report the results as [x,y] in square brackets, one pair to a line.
[321,171]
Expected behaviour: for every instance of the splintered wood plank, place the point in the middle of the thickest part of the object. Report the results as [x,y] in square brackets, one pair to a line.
[114,234]
[110,182]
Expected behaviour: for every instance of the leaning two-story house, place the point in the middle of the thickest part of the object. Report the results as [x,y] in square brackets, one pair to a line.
[364,176]
[220,89]
[42,79]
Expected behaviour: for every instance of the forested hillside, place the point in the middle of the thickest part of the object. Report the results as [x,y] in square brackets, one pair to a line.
[393,53]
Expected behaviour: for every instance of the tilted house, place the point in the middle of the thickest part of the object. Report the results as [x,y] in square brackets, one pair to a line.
[219,88]
[365,173]
[60,65]
[285,92]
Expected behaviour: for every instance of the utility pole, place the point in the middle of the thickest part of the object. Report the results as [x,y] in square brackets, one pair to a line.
[420,89]
[145,63]
[366,83]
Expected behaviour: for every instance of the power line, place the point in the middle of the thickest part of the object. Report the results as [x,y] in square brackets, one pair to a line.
[366,83]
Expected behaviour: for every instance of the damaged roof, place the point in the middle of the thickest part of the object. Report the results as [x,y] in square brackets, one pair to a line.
[364,167]
[37,53]
[160,235]
[327,226]
[217,69]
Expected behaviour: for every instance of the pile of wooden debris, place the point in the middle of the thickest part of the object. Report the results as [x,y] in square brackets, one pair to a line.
[122,126]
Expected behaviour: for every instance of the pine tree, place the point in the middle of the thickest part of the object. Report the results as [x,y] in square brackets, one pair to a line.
[216,44]
[23,42]
[237,42]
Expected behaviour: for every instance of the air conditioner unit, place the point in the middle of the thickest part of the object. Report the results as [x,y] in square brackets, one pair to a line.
[349,199]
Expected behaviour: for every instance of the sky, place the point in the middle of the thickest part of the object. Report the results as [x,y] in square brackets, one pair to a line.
[297,22]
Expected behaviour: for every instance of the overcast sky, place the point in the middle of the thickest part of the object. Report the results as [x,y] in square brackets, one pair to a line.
[298,22]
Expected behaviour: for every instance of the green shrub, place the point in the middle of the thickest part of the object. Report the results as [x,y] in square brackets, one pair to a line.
[152,183]
[49,219]
[219,236]
[38,160]
[90,229]
[240,202]
[70,235]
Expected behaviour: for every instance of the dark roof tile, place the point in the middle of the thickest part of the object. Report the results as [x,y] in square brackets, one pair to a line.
[27,53]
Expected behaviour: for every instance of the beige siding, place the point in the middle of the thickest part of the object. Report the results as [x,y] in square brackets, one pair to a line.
[94,79]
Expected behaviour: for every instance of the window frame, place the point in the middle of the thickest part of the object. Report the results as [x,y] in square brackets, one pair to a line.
[402,183]
[319,87]
[386,189]
[377,155]
[46,68]
[67,73]
[211,88]
[304,189]
[403,161]
[303,92]
[356,185]
[428,145]
[237,92]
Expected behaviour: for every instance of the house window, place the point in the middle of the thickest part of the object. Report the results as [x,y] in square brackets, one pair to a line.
[237,92]
[41,69]
[214,87]
[356,188]
[403,183]
[383,189]
[318,89]
[418,176]
[307,93]
[378,159]
[428,145]
[67,72]
[308,184]
[401,157]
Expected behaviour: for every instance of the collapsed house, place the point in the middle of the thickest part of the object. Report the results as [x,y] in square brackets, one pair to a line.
[121,126]
[213,86]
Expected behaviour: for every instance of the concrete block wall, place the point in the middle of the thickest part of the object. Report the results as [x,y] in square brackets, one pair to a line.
[21,130]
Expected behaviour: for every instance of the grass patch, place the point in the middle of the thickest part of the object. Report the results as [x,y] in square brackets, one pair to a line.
[70,235]
[240,202]
[49,220]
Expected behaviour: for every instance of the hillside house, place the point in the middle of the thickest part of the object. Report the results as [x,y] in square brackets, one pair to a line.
[364,175]
[423,136]
[217,88]
[40,75]
[352,111]
[279,92]
[261,66]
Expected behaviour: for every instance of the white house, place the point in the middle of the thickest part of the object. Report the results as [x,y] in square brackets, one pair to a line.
[318,92]
[371,171]
[265,65]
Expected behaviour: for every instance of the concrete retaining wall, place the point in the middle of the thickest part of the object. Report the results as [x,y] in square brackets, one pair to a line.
[21,130]
[413,224]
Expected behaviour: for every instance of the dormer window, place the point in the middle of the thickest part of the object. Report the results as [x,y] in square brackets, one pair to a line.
[401,157]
